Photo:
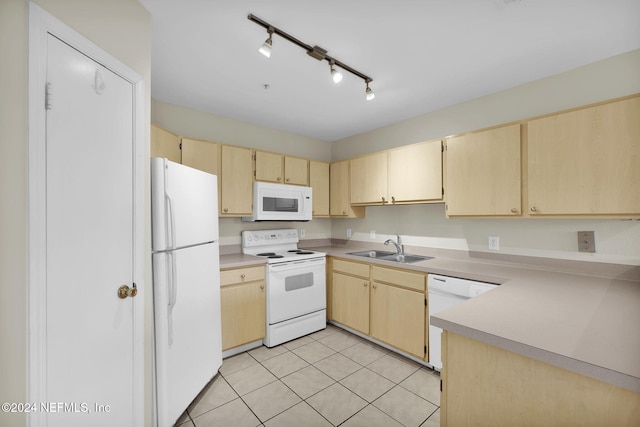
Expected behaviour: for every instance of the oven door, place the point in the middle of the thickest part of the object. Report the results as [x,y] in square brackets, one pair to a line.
[295,288]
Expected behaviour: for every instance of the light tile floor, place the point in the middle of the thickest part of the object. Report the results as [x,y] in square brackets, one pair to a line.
[328,378]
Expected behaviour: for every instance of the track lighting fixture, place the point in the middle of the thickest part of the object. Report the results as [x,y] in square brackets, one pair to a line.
[265,49]
[368,93]
[314,51]
[335,74]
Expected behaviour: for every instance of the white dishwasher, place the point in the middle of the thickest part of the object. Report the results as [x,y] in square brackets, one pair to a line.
[445,292]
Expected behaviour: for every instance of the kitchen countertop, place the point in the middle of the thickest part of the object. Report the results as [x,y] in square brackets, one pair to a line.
[240,260]
[582,323]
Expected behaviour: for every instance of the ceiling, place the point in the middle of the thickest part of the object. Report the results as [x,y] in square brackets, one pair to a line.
[423,55]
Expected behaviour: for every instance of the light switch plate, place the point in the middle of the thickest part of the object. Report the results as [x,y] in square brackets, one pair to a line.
[586,241]
[494,243]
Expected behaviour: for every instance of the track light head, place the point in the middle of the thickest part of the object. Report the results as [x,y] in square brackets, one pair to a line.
[265,49]
[335,74]
[368,93]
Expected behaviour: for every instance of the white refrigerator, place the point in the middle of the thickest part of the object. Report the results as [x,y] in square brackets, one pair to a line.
[186,285]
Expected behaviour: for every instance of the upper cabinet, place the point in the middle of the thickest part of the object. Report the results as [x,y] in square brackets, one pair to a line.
[369,179]
[319,182]
[339,192]
[585,162]
[201,155]
[282,169]
[165,144]
[410,174]
[236,181]
[483,173]
[415,173]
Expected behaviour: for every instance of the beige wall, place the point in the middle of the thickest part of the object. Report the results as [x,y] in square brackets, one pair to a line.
[211,127]
[425,225]
[120,27]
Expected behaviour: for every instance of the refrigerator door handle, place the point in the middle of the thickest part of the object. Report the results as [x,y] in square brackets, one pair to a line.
[171,223]
[172,292]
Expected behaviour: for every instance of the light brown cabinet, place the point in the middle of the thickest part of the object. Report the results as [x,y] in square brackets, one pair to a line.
[388,304]
[165,144]
[410,174]
[415,173]
[350,294]
[242,300]
[236,181]
[399,309]
[368,181]
[483,173]
[281,169]
[339,192]
[202,155]
[319,182]
[586,161]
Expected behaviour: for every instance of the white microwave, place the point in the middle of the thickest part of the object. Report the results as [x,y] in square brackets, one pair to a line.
[280,202]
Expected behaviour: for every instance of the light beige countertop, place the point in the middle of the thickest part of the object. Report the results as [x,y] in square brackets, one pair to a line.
[580,316]
[240,260]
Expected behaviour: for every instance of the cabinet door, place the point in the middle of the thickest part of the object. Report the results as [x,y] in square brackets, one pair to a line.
[296,171]
[415,173]
[586,161]
[165,144]
[319,182]
[269,167]
[398,318]
[350,301]
[236,181]
[339,204]
[243,313]
[483,173]
[369,179]
[201,155]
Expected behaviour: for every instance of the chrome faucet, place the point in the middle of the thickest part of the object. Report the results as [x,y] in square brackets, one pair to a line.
[399,246]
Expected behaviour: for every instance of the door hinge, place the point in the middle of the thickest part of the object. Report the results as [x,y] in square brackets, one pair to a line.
[425,350]
[443,191]
[47,96]
[440,386]
[425,302]
[181,146]
[254,173]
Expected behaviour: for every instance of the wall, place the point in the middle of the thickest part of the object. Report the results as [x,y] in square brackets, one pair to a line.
[210,127]
[425,225]
[122,28]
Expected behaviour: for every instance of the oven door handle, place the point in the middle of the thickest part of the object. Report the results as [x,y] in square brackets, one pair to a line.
[296,264]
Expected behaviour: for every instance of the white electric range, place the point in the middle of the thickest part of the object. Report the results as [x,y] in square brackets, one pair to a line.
[295,284]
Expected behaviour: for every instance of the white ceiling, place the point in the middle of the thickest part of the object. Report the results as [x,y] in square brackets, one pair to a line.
[423,55]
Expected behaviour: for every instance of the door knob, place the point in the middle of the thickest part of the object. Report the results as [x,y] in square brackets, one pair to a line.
[125,291]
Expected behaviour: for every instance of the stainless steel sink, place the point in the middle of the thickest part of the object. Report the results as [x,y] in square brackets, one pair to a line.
[371,254]
[391,256]
[406,258]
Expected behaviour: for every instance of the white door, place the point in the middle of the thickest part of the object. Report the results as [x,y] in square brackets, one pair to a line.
[89,241]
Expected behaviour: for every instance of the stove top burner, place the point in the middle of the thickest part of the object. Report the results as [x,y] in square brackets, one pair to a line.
[267,254]
[275,256]
[301,252]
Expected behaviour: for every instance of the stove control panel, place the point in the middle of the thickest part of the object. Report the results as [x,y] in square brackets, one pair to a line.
[269,237]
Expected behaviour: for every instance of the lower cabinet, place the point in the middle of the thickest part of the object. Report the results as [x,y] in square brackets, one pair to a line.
[242,300]
[387,304]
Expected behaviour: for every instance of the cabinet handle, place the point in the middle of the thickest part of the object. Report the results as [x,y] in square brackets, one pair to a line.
[226,210]
[383,200]
[533,209]
[393,199]
[288,180]
[374,286]
[279,179]
[261,286]
[344,212]
[242,276]
[365,284]
[514,210]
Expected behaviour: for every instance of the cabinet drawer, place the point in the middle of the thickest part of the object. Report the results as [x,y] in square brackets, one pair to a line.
[352,268]
[406,279]
[241,275]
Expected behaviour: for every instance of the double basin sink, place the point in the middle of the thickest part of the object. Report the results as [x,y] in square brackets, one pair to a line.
[390,256]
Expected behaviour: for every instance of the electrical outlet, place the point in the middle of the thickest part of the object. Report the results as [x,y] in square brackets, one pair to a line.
[586,241]
[494,243]
[372,234]
[302,233]
[348,233]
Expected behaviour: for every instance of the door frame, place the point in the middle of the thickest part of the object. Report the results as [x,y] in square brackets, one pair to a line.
[41,24]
